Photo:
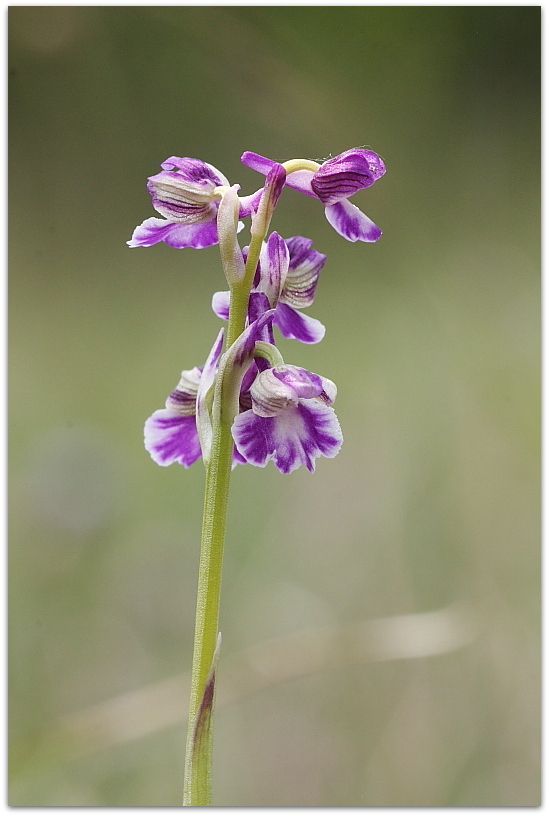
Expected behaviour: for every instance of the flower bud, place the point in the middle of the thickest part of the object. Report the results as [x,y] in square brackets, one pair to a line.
[186,190]
[340,177]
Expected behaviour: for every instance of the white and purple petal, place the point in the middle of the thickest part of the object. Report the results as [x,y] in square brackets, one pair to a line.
[258,304]
[195,172]
[182,399]
[338,178]
[296,326]
[303,272]
[351,223]
[249,204]
[274,260]
[305,384]
[220,304]
[295,437]
[153,230]
[171,437]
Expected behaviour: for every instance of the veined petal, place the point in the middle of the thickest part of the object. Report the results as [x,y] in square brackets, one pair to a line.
[186,191]
[220,304]
[351,223]
[303,272]
[274,259]
[258,304]
[305,384]
[171,437]
[182,400]
[296,326]
[195,172]
[295,437]
[343,175]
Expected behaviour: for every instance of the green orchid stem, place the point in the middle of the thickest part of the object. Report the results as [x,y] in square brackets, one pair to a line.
[198,759]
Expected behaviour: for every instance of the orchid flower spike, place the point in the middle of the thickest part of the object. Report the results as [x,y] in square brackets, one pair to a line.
[333,182]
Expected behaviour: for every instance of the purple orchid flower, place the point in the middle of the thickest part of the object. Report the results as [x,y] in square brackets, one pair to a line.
[290,421]
[187,193]
[287,275]
[181,432]
[333,183]
[171,433]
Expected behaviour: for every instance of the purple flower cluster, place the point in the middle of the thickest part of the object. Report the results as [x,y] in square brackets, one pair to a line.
[284,412]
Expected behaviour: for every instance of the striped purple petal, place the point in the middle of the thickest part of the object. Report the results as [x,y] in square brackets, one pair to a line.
[274,260]
[303,272]
[351,223]
[171,437]
[340,177]
[296,326]
[195,172]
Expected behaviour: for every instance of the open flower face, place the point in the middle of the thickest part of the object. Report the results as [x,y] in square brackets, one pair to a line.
[290,421]
[333,182]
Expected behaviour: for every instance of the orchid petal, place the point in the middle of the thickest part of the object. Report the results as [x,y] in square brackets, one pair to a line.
[257,162]
[195,172]
[249,204]
[303,272]
[242,350]
[297,326]
[171,437]
[340,177]
[273,263]
[351,223]
[295,437]
[220,304]
[153,230]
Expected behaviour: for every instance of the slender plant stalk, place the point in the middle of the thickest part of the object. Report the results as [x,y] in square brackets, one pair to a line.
[198,760]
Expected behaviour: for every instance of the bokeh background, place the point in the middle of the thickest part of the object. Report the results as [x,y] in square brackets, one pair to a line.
[380,618]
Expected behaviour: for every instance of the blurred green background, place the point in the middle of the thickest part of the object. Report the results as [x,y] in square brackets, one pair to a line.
[425,528]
